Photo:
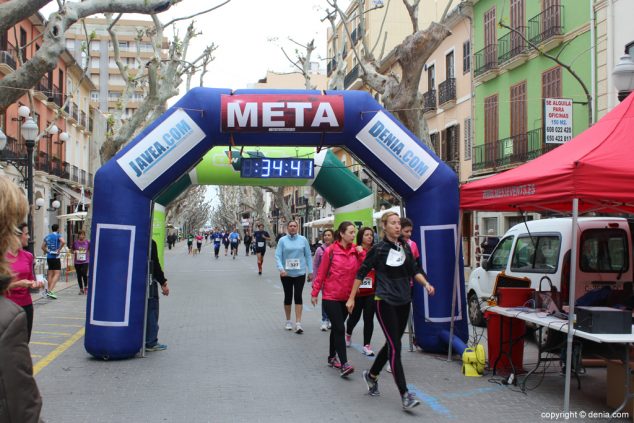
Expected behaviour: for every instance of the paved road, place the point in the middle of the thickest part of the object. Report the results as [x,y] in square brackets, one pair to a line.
[229,360]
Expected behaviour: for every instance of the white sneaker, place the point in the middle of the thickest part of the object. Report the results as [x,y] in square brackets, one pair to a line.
[324,326]
[367,350]
[298,328]
[289,325]
[389,368]
[329,325]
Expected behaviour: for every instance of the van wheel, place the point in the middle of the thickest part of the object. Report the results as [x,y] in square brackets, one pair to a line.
[475,314]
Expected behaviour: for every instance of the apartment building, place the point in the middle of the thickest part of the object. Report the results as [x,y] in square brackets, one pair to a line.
[60,108]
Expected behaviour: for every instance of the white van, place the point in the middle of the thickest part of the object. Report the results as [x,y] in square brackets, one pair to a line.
[539,248]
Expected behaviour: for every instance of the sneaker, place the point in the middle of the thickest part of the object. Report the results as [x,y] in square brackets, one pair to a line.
[329,325]
[324,326]
[367,350]
[346,369]
[333,362]
[348,340]
[372,382]
[409,400]
[51,294]
[298,328]
[157,347]
[289,325]
[259,273]
[388,368]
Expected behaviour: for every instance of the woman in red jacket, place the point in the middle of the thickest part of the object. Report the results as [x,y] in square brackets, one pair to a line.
[336,274]
[364,300]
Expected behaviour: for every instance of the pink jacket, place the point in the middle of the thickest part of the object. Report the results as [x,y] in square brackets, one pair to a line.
[336,272]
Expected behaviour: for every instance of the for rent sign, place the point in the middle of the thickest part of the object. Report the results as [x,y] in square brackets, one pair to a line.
[282,113]
[557,120]
[404,156]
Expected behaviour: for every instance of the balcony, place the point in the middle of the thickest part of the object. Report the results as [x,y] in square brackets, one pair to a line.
[8,59]
[512,48]
[447,93]
[90,179]
[75,112]
[509,152]
[82,177]
[486,63]
[429,101]
[56,97]
[74,176]
[547,28]
[43,89]
[13,150]
[331,66]
[82,119]
[352,76]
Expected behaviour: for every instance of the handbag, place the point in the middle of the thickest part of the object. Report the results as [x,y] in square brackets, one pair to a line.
[549,299]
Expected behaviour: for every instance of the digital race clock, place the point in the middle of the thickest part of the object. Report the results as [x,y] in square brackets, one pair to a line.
[286,167]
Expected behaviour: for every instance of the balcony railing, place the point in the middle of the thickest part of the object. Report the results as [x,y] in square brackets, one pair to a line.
[57,97]
[74,176]
[512,44]
[546,25]
[509,151]
[351,76]
[429,101]
[90,179]
[446,91]
[43,86]
[486,59]
[331,66]
[82,118]
[7,58]
[13,150]
[75,112]
[82,177]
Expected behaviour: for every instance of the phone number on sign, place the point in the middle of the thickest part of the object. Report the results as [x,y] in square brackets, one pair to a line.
[584,415]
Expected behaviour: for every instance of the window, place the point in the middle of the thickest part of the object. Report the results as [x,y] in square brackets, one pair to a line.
[23,43]
[431,78]
[551,83]
[500,255]
[94,95]
[435,142]
[490,38]
[449,152]
[604,250]
[4,41]
[629,49]
[468,145]
[466,56]
[449,66]
[536,254]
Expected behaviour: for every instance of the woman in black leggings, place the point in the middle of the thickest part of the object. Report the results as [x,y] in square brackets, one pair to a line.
[394,267]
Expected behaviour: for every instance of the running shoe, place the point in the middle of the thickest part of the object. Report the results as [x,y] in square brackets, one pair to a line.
[157,347]
[346,369]
[348,340]
[289,325]
[388,368]
[51,294]
[409,400]
[367,350]
[372,382]
[333,362]
[259,273]
[298,328]
[329,325]
[324,326]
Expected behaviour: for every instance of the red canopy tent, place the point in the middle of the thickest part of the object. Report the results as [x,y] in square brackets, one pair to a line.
[593,171]
[596,167]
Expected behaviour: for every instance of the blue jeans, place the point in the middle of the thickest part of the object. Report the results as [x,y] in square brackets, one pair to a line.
[152,327]
[324,316]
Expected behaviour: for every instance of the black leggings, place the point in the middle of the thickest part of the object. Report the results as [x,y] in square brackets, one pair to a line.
[337,313]
[82,275]
[290,284]
[28,309]
[363,304]
[393,320]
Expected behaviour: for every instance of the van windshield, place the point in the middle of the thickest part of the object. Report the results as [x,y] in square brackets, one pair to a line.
[539,253]
[604,251]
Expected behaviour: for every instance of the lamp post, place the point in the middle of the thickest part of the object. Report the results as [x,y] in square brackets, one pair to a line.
[29,131]
[306,205]
[623,75]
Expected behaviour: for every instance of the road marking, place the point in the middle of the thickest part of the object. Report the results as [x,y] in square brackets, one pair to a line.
[35,355]
[57,351]
[66,317]
[43,343]
[432,402]
[52,333]
[64,325]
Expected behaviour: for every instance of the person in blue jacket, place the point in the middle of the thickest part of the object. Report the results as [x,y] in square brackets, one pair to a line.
[234,238]
[216,237]
[294,262]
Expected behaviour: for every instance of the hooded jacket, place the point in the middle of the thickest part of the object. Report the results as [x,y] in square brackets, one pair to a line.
[336,272]
[20,400]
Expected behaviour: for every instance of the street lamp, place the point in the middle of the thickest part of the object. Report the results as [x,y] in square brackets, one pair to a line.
[306,210]
[29,132]
[623,75]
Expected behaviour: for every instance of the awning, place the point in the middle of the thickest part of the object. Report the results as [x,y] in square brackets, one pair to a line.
[71,194]
[74,217]
[324,222]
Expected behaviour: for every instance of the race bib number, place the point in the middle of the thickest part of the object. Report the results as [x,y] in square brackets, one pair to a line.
[81,256]
[217,240]
[260,244]
[366,283]
[395,258]
[292,264]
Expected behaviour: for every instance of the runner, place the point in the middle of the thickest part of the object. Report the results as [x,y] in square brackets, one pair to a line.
[247,241]
[225,241]
[293,260]
[261,237]
[364,301]
[394,266]
[234,238]
[190,242]
[199,241]
[336,274]
[327,237]
[81,251]
[217,238]
[52,245]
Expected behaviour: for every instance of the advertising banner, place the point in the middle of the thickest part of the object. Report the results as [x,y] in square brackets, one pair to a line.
[557,120]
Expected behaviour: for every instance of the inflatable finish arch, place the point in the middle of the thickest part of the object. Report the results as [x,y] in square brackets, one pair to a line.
[173,144]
